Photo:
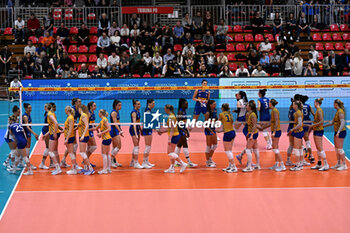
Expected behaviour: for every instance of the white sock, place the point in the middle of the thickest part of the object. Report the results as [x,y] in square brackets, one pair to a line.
[104,159]
[187,154]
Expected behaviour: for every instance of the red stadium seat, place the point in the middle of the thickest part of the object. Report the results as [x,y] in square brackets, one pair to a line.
[259,37]
[345,73]
[239,38]
[57,16]
[231,57]
[336,36]
[230,47]
[316,37]
[271,38]
[91,67]
[33,39]
[91,16]
[229,29]
[83,49]
[93,30]
[249,38]
[319,46]
[240,47]
[106,56]
[28,77]
[215,27]
[136,76]
[73,30]
[177,47]
[8,31]
[329,46]
[147,76]
[41,39]
[92,48]
[93,40]
[93,58]
[73,58]
[72,49]
[339,46]
[237,28]
[233,66]
[347,45]
[78,68]
[320,56]
[82,58]
[334,28]
[213,75]
[344,28]
[275,74]
[346,36]
[72,41]
[326,36]
[229,37]
[68,16]
[54,30]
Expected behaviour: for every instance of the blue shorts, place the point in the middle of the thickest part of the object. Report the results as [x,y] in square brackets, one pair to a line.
[107,142]
[207,132]
[229,136]
[44,130]
[265,118]
[175,139]
[319,133]
[7,140]
[299,135]
[146,132]
[58,136]
[199,110]
[21,144]
[342,134]
[85,139]
[245,130]
[71,140]
[91,134]
[241,118]
[255,136]
[290,126]
[132,131]
[114,132]
[28,134]
[278,134]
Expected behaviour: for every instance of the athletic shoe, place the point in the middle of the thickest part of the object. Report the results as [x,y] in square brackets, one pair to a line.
[109,170]
[342,168]
[138,166]
[170,170]
[11,170]
[248,169]
[90,172]
[273,167]
[56,171]
[324,168]
[113,164]
[28,173]
[72,172]
[32,167]
[131,163]
[21,164]
[232,169]
[226,169]
[145,165]
[257,167]
[6,163]
[210,164]
[289,163]
[239,158]
[311,159]
[296,168]
[177,164]
[78,167]
[192,165]
[52,165]
[82,171]
[336,166]
[183,167]
[149,164]
[64,164]
[268,147]
[103,171]
[283,168]
[92,165]
[278,169]
[317,167]
[42,166]
[304,163]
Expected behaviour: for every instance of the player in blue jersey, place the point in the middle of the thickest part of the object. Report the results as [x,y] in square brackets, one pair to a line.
[27,119]
[19,136]
[242,102]
[46,138]
[290,126]
[210,134]
[135,131]
[307,111]
[10,140]
[116,132]
[147,134]
[264,115]
[92,142]
[201,96]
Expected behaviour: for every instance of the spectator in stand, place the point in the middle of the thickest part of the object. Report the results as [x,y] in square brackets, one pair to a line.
[28,65]
[259,72]
[211,62]
[202,71]
[265,46]
[103,25]
[167,39]
[19,29]
[188,48]
[84,72]
[145,28]
[97,73]
[68,3]
[115,41]
[188,39]
[48,24]
[325,64]
[39,49]
[49,73]
[197,25]
[316,24]
[135,20]
[250,47]
[48,39]
[168,56]
[135,63]
[135,30]
[30,48]
[157,48]
[309,70]
[19,65]
[222,61]
[187,23]
[226,72]
[221,32]
[171,69]
[65,62]
[113,60]
[157,33]
[302,26]
[208,40]
[125,33]
[265,61]
[179,59]
[147,43]
[124,65]
[189,67]
[113,73]
[287,64]
[292,49]
[63,33]
[257,24]
[5,60]
[275,62]
[41,64]
[201,50]
[314,54]
[113,29]
[15,84]
[157,63]
[179,33]
[103,3]
[135,38]
[147,63]
[208,19]
[103,44]
[59,52]
[345,58]
[71,73]
[102,63]
[291,26]
[208,27]
[277,24]
[297,64]
[253,60]
[242,71]
[134,49]
[33,26]
[83,35]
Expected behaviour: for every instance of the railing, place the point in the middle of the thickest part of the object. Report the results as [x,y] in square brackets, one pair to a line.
[6,17]
[240,14]
[217,12]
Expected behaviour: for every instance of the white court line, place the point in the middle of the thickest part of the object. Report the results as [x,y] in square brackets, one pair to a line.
[333,145]
[172,190]
[14,188]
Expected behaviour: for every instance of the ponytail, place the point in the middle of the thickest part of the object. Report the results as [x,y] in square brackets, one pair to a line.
[252,106]
[90,104]
[103,112]
[262,92]
[70,110]
[340,104]
[319,101]
[170,108]
[273,102]
[115,103]
[299,104]
[210,102]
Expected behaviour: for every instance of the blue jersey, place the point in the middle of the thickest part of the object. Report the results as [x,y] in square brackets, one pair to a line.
[214,115]
[291,118]
[138,127]
[264,112]
[202,95]
[146,132]
[45,128]
[307,112]
[19,134]
[113,127]
[28,133]
[76,113]
[138,115]
[92,118]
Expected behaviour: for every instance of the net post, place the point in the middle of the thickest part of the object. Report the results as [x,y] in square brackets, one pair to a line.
[20,105]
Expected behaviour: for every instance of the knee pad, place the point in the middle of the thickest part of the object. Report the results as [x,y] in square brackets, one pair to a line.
[51,154]
[296,152]
[135,151]
[340,151]
[207,149]
[256,151]
[91,149]
[177,150]
[46,152]
[249,153]
[173,155]
[25,159]
[72,156]
[308,144]
[290,150]
[213,147]
[186,152]
[148,149]
[265,133]
[229,155]
[83,155]
[301,152]
[323,154]
[115,151]
[27,151]
[276,151]
[12,154]
[75,148]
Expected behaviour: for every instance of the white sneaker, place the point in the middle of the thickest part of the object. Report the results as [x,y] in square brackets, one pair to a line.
[56,172]
[42,166]
[146,166]
[28,173]
[324,168]
[64,165]
[289,163]
[210,164]
[78,167]
[226,169]
[150,164]
[257,167]
[232,169]
[131,163]
[273,167]
[170,170]
[11,170]
[296,168]
[342,168]
[6,163]
[113,164]
[283,168]
[336,166]
[317,167]
[268,147]
[109,170]
[278,169]
[138,166]
[304,163]
[183,167]
[248,169]
[72,172]
[103,171]
[192,165]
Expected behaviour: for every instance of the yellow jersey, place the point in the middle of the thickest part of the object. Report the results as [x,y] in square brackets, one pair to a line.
[66,127]
[298,114]
[173,123]
[317,119]
[273,120]
[81,125]
[227,121]
[250,123]
[51,123]
[103,123]
[336,120]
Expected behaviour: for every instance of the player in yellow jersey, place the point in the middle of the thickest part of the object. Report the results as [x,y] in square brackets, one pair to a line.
[275,134]
[83,131]
[69,135]
[173,138]
[317,127]
[252,143]
[106,141]
[339,134]
[226,119]
[298,133]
